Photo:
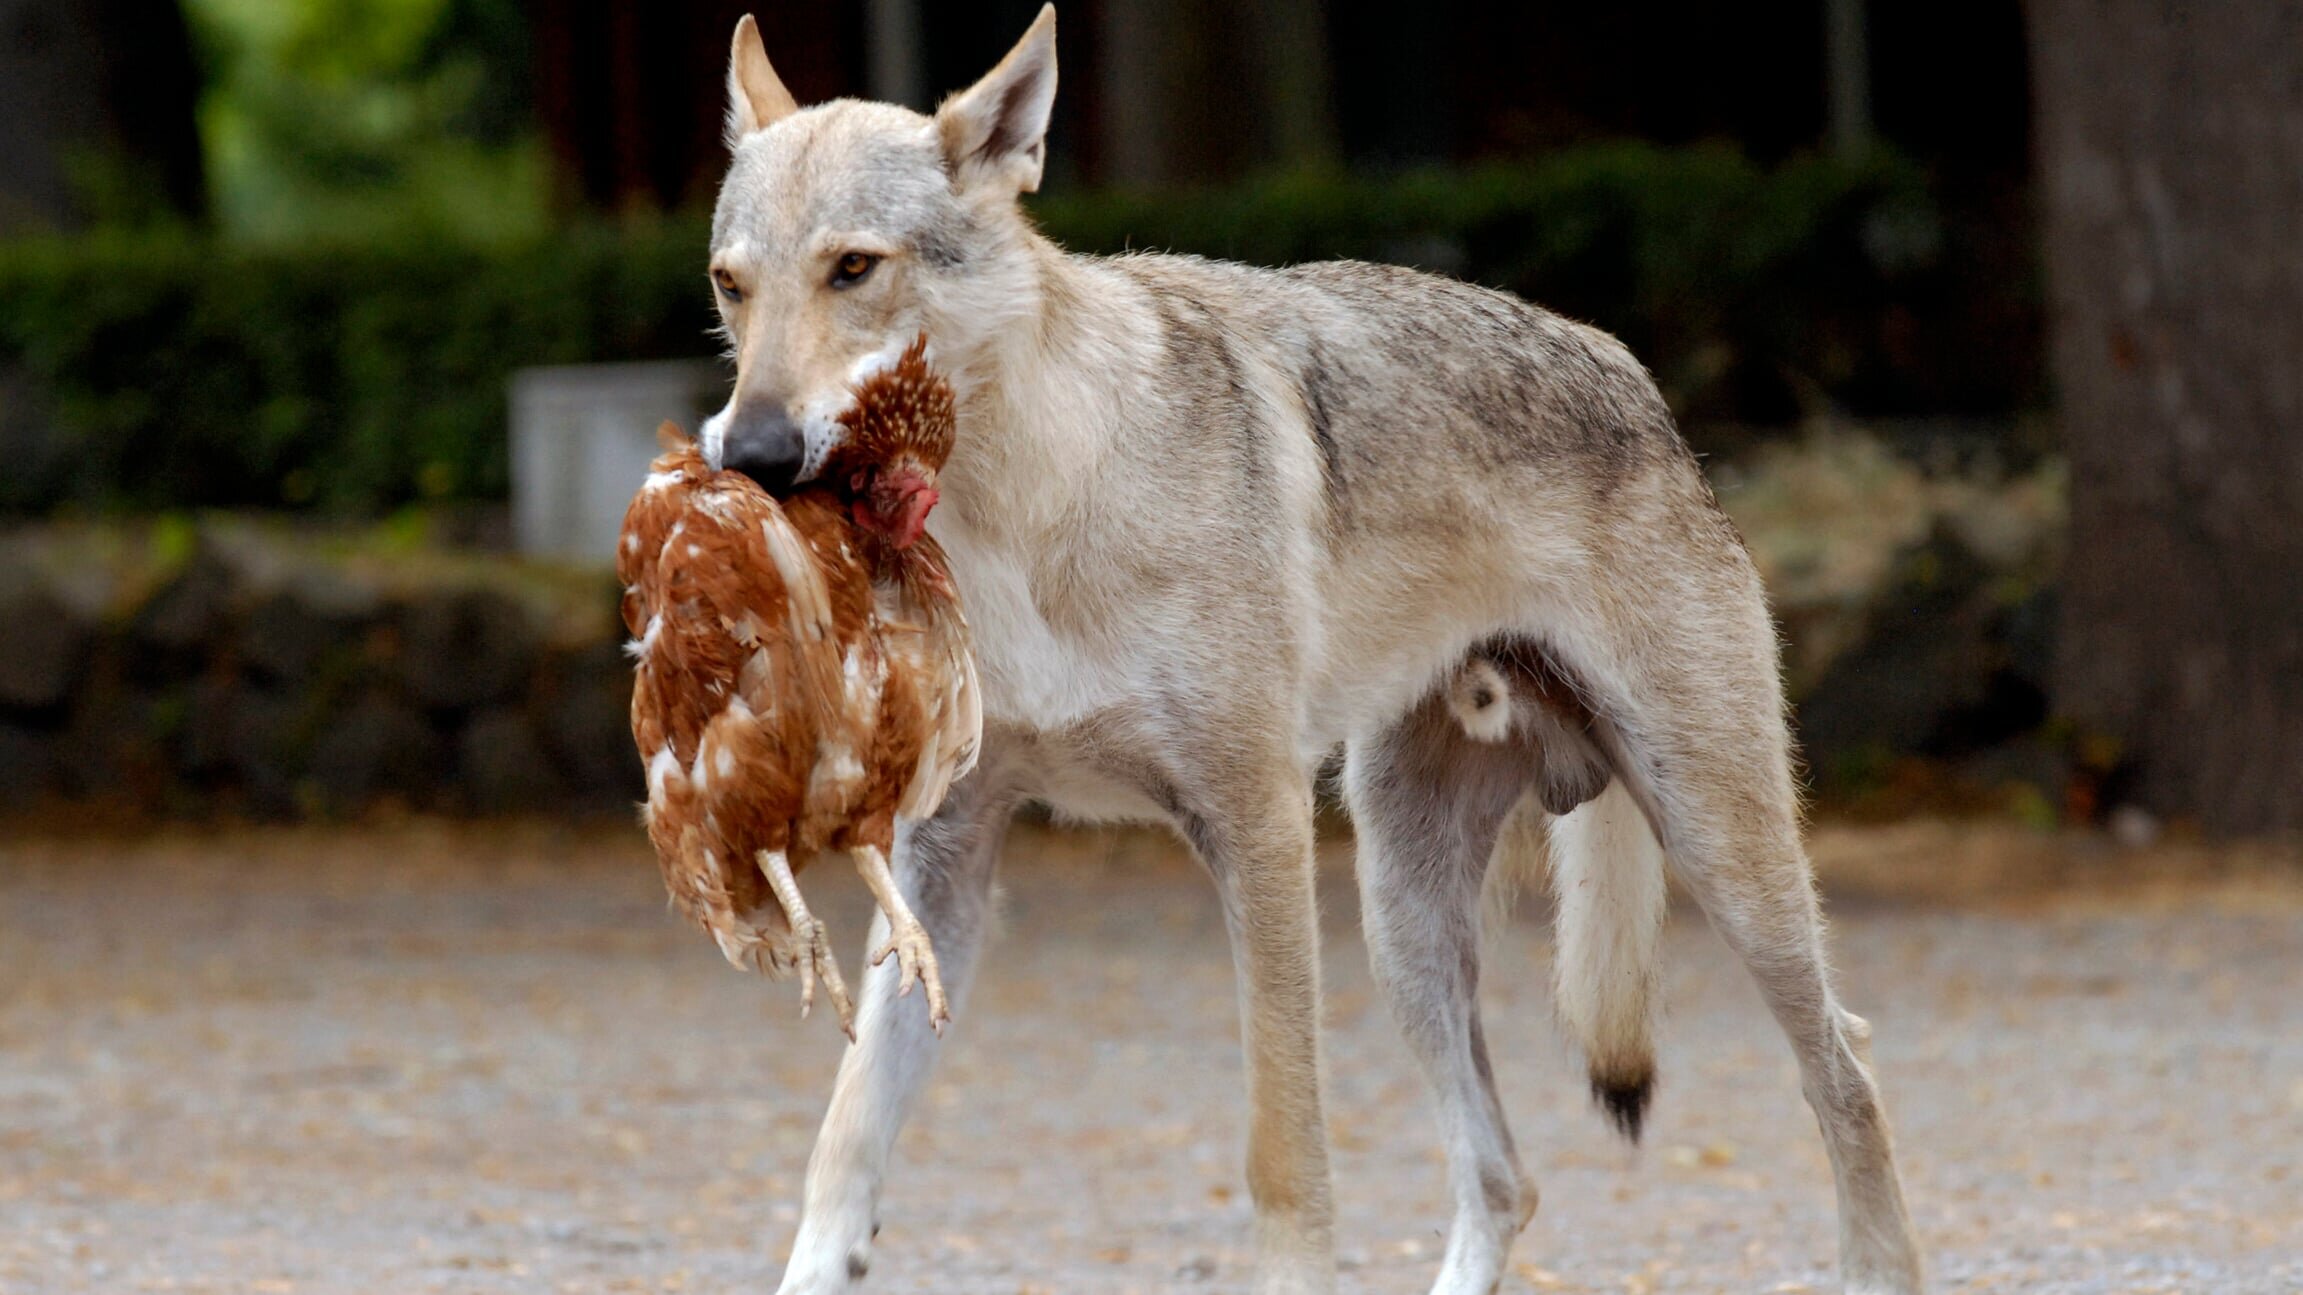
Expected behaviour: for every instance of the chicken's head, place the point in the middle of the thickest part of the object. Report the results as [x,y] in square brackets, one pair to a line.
[900,432]
[894,499]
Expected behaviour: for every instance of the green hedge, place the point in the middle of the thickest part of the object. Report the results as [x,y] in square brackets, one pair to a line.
[1754,294]
[176,371]
[168,370]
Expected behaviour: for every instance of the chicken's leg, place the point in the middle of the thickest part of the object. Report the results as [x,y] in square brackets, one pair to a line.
[907,939]
[815,940]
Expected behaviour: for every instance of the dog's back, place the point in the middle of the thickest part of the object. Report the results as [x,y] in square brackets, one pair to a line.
[1356,469]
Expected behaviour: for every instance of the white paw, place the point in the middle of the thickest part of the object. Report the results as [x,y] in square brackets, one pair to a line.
[1882,1286]
[826,1269]
[1475,1259]
[834,1277]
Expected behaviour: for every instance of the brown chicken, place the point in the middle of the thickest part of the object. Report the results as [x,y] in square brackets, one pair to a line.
[803,679]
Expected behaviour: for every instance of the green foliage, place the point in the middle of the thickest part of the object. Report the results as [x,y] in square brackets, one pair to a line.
[348,119]
[182,372]
[359,375]
[1753,294]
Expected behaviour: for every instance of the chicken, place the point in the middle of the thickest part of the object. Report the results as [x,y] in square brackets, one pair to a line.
[803,680]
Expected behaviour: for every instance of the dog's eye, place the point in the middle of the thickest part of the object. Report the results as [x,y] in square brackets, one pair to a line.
[726,283]
[851,268]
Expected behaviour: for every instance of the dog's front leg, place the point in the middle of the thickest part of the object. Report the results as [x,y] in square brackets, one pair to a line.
[1253,830]
[944,868]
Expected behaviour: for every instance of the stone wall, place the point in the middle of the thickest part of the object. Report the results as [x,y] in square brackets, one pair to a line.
[1915,586]
[235,665]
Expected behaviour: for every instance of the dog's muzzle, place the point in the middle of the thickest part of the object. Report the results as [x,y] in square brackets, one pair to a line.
[766,446]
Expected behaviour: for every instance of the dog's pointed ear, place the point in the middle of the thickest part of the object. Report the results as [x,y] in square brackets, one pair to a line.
[757,98]
[996,130]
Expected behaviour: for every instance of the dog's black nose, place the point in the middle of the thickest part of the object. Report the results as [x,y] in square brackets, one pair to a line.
[765,446]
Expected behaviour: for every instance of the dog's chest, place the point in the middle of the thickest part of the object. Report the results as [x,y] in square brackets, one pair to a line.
[1033,676]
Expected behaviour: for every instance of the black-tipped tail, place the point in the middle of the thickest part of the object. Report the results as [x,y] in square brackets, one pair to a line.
[1625,1102]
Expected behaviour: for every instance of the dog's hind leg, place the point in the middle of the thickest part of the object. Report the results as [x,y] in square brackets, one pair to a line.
[1696,719]
[1426,806]
[944,867]
[1250,821]
[1740,856]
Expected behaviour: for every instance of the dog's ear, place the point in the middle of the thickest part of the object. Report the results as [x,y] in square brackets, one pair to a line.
[996,130]
[757,98]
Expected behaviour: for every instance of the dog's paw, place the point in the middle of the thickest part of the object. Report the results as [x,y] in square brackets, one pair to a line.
[826,1270]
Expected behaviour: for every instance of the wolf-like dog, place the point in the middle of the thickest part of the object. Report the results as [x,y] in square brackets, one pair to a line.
[1213,523]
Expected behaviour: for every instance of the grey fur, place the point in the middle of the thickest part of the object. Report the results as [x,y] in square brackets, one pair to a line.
[1213,523]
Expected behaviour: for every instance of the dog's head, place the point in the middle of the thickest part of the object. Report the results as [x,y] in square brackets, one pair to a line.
[846,230]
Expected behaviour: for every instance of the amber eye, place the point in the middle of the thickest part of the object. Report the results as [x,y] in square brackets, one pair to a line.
[851,268]
[726,283]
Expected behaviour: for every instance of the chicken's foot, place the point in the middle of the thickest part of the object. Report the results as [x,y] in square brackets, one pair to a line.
[907,939]
[815,942]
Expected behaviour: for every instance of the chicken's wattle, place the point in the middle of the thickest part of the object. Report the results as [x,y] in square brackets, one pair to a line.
[896,505]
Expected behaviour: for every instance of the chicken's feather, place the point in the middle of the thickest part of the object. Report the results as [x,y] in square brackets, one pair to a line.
[800,681]
[927,601]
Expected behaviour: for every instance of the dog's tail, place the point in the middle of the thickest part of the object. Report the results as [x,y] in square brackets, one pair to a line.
[1607,880]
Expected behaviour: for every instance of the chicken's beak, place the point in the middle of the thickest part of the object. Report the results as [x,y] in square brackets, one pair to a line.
[900,497]
[911,519]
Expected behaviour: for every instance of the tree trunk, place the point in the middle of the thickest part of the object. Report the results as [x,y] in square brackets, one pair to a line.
[2170,140]
[96,103]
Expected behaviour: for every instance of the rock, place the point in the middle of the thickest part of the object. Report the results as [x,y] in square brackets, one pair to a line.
[584,707]
[379,746]
[463,649]
[203,746]
[116,747]
[1925,649]
[188,615]
[2133,827]
[1834,520]
[42,648]
[36,449]
[2038,760]
[501,767]
[264,745]
[2027,633]
[27,766]
[292,637]
[236,662]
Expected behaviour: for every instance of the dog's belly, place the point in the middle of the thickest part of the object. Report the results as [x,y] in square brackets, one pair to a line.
[1076,792]
[1384,642]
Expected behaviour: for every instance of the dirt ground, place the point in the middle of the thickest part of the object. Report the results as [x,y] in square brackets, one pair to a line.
[422,1057]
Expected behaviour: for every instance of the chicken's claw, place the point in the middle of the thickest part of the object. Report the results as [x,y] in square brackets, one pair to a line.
[814,957]
[907,939]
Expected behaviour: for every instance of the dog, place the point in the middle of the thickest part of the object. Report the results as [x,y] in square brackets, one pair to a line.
[1214,523]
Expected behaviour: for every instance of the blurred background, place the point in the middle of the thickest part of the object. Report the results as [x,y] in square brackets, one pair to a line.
[332,335]
[1984,317]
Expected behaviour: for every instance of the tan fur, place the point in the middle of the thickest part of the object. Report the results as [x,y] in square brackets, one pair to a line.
[757,98]
[1607,879]
[1213,523]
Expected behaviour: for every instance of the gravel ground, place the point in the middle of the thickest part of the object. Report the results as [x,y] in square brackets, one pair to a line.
[419,1057]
